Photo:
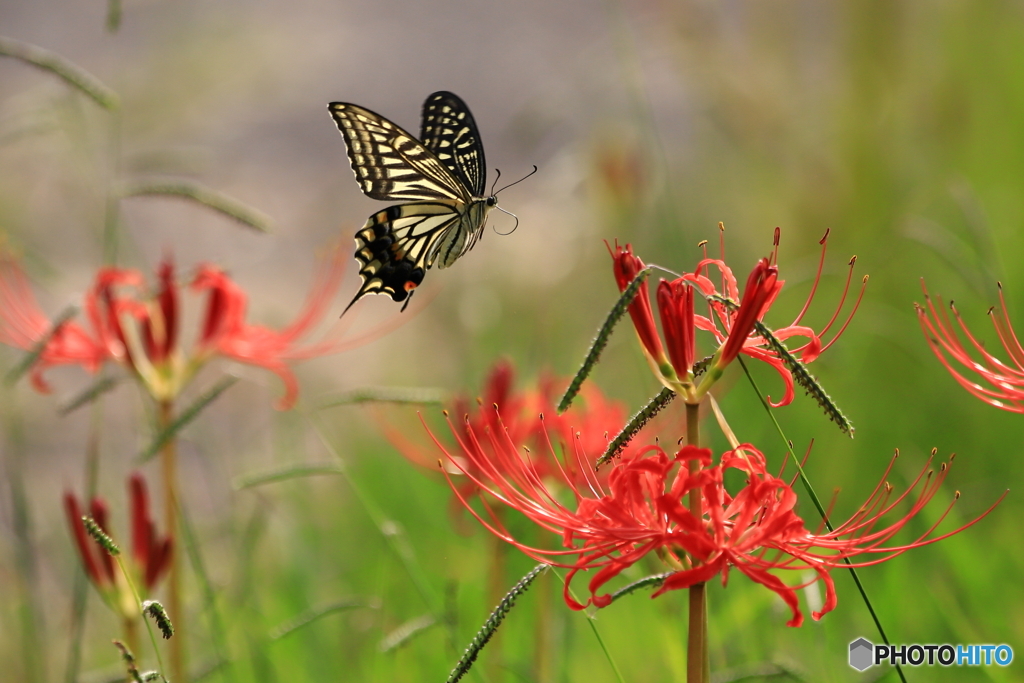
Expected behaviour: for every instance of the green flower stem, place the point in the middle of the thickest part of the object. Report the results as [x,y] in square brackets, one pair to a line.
[130,629]
[698,665]
[169,457]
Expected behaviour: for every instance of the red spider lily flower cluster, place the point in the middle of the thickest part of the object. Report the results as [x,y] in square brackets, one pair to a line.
[731,324]
[992,380]
[641,510]
[139,329]
[150,555]
[526,418]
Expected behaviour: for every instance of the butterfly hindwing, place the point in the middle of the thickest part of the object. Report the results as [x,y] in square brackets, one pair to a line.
[389,163]
[397,246]
[449,131]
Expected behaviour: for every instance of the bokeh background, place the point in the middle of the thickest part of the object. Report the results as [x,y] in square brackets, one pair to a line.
[897,125]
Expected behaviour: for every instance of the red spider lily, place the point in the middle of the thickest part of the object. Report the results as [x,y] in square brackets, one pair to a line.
[150,554]
[641,510]
[129,325]
[526,418]
[731,324]
[1003,384]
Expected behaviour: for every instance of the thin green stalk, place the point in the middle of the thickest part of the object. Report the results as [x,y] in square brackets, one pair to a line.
[168,459]
[398,544]
[80,592]
[597,634]
[33,642]
[112,200]
[149,627]
[821,511]
[217,629]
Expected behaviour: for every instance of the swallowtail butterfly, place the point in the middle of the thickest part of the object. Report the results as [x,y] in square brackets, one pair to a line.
[443,174]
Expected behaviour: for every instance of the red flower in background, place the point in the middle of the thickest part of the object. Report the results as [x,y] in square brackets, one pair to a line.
[138,328]
[640,509]
[150,555]
[731,324]
[994,381]
[526,418]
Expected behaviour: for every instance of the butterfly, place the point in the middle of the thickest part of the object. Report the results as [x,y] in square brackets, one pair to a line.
[443,173]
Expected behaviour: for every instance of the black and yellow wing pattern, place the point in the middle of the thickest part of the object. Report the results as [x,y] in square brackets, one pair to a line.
[442,175]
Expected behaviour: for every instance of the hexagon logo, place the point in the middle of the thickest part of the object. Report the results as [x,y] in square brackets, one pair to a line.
[861,654]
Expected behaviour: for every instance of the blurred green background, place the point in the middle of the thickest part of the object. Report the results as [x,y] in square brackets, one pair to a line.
[896,124]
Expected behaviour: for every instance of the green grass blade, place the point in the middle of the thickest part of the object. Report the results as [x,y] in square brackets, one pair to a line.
[635,424]
[70,73]
[491,625]
[821,511]
[248,481]
[186,416]
[30,359]
[393,534]
[384,395]
[601,340]
[315,614]
[212,199]
[89,394]
[213,616]
[406,632]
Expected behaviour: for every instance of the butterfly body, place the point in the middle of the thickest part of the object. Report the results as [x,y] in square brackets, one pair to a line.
[443,174]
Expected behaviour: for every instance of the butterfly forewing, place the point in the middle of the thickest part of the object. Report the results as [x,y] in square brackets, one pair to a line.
[449,131]
[388,162]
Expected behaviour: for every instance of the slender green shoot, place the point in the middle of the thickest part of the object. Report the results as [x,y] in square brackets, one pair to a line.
[34,354]
[487,631]
[315,614]
[820,508]
[803,377]
[248,481]
[70,73]
[653,581]
[407,631]
[108,544]
[89,394]
[635,424]
[597,634]
[384,395]
[210,198]
[393,535]
[601,340]
[185,417]
[224,663]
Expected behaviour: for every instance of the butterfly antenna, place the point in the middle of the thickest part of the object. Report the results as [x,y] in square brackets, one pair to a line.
[497,174]
[504,234]
[515,183]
